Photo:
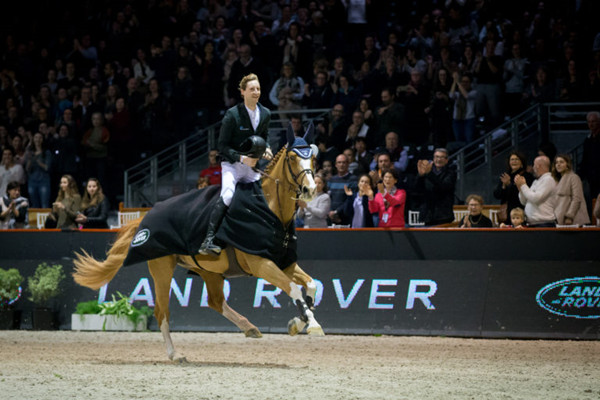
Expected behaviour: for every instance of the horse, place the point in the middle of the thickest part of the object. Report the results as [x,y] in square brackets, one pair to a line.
[288,177]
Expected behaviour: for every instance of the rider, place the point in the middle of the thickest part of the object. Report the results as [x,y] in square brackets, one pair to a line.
[239,123]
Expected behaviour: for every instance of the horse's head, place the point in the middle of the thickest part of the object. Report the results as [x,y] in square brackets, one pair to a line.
[300,159]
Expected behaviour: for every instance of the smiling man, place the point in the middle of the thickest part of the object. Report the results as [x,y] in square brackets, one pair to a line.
[240,122]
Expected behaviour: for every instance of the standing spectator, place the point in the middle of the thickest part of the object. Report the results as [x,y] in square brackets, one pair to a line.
[287,91]
[463,117]
[38,162]
[489,84]
[589,170]
[182,103]
[475,218]
[13,208]
[388,202]
[122,141]
[244,65]
[570,204]
[515,73]
[538,199]
[213,172]
[440,109]
[208,76]
[95,143]
[506,191]
[66,206]
[337,192]
[84,109]
[543,89]
[9,170]
[362,156]
[389,116]
[318,94]
[436,181]
[415,97]
[154,118]
[94,207]
[64,160]
[315,211]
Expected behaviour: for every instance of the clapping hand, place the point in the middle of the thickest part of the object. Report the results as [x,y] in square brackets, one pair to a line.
[520,181]
[505,179]
[347,190]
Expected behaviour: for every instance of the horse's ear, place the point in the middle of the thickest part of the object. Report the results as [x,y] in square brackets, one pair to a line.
[310,132]
[290,135]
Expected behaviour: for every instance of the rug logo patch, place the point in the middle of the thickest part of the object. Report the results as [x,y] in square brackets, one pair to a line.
[140,238]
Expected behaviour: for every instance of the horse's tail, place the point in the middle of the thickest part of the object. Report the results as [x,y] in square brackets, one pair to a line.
[94,274]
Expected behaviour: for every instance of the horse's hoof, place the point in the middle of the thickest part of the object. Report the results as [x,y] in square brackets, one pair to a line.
[177,359]
[295,326]
[253,333]
[315,330]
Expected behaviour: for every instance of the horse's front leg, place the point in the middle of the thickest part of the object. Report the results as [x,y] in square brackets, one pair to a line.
[161,270]
[266,269]
[298,276]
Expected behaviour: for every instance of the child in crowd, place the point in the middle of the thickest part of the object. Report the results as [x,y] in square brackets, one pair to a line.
[517,217]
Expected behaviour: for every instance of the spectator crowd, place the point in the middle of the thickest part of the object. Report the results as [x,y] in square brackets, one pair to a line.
[88,89]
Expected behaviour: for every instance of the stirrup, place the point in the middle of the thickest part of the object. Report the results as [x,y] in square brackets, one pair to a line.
[210,249]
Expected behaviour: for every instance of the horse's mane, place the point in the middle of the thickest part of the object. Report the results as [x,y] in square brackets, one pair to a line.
[276,157]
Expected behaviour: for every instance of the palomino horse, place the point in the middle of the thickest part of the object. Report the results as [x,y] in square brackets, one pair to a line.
[288,176]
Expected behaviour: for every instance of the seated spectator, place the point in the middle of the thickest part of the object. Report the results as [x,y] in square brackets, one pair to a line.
[357,129]
[337,184]
[353,165]
[475,218]
[94,207]
[202,182]
[383,162]
[506,191]
[388,202]
[315,211]
[37,162]
[66,206]
[13,208]
[9,170]
[213,171]
[398,155]
[570,208]
[357,203]
[436,181]
[538,199]
[517,219]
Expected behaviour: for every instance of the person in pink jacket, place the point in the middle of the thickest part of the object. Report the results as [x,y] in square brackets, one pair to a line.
[388,202]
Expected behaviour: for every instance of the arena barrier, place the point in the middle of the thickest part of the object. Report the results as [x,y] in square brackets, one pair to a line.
[541,283]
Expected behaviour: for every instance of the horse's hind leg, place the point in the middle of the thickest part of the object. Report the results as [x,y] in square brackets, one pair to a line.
[216,301]
[161,270]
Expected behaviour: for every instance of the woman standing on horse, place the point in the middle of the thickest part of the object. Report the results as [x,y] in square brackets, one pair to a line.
[241,122]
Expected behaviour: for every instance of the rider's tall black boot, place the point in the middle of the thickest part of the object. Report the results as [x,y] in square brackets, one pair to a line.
[216,216]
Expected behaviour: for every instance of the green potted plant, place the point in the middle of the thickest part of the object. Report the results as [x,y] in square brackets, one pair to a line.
[10,291]
[43,286]
[116,315]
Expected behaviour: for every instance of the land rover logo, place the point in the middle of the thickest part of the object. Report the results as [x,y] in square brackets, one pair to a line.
[573,298]
[141,237]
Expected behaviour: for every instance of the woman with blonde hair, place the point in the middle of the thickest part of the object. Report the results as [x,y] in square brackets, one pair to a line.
[570,207]
[66,206]
[94,207]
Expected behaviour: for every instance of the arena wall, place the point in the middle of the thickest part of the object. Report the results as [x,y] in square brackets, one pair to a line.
[477,283]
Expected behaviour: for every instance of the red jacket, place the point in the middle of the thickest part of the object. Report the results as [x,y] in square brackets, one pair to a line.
[213,173]
[393,216]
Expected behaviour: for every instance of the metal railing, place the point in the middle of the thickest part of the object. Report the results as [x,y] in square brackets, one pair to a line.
[167,173]
[479,162]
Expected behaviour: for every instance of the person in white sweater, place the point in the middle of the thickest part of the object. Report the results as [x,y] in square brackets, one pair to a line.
[315,212]
[539,199]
